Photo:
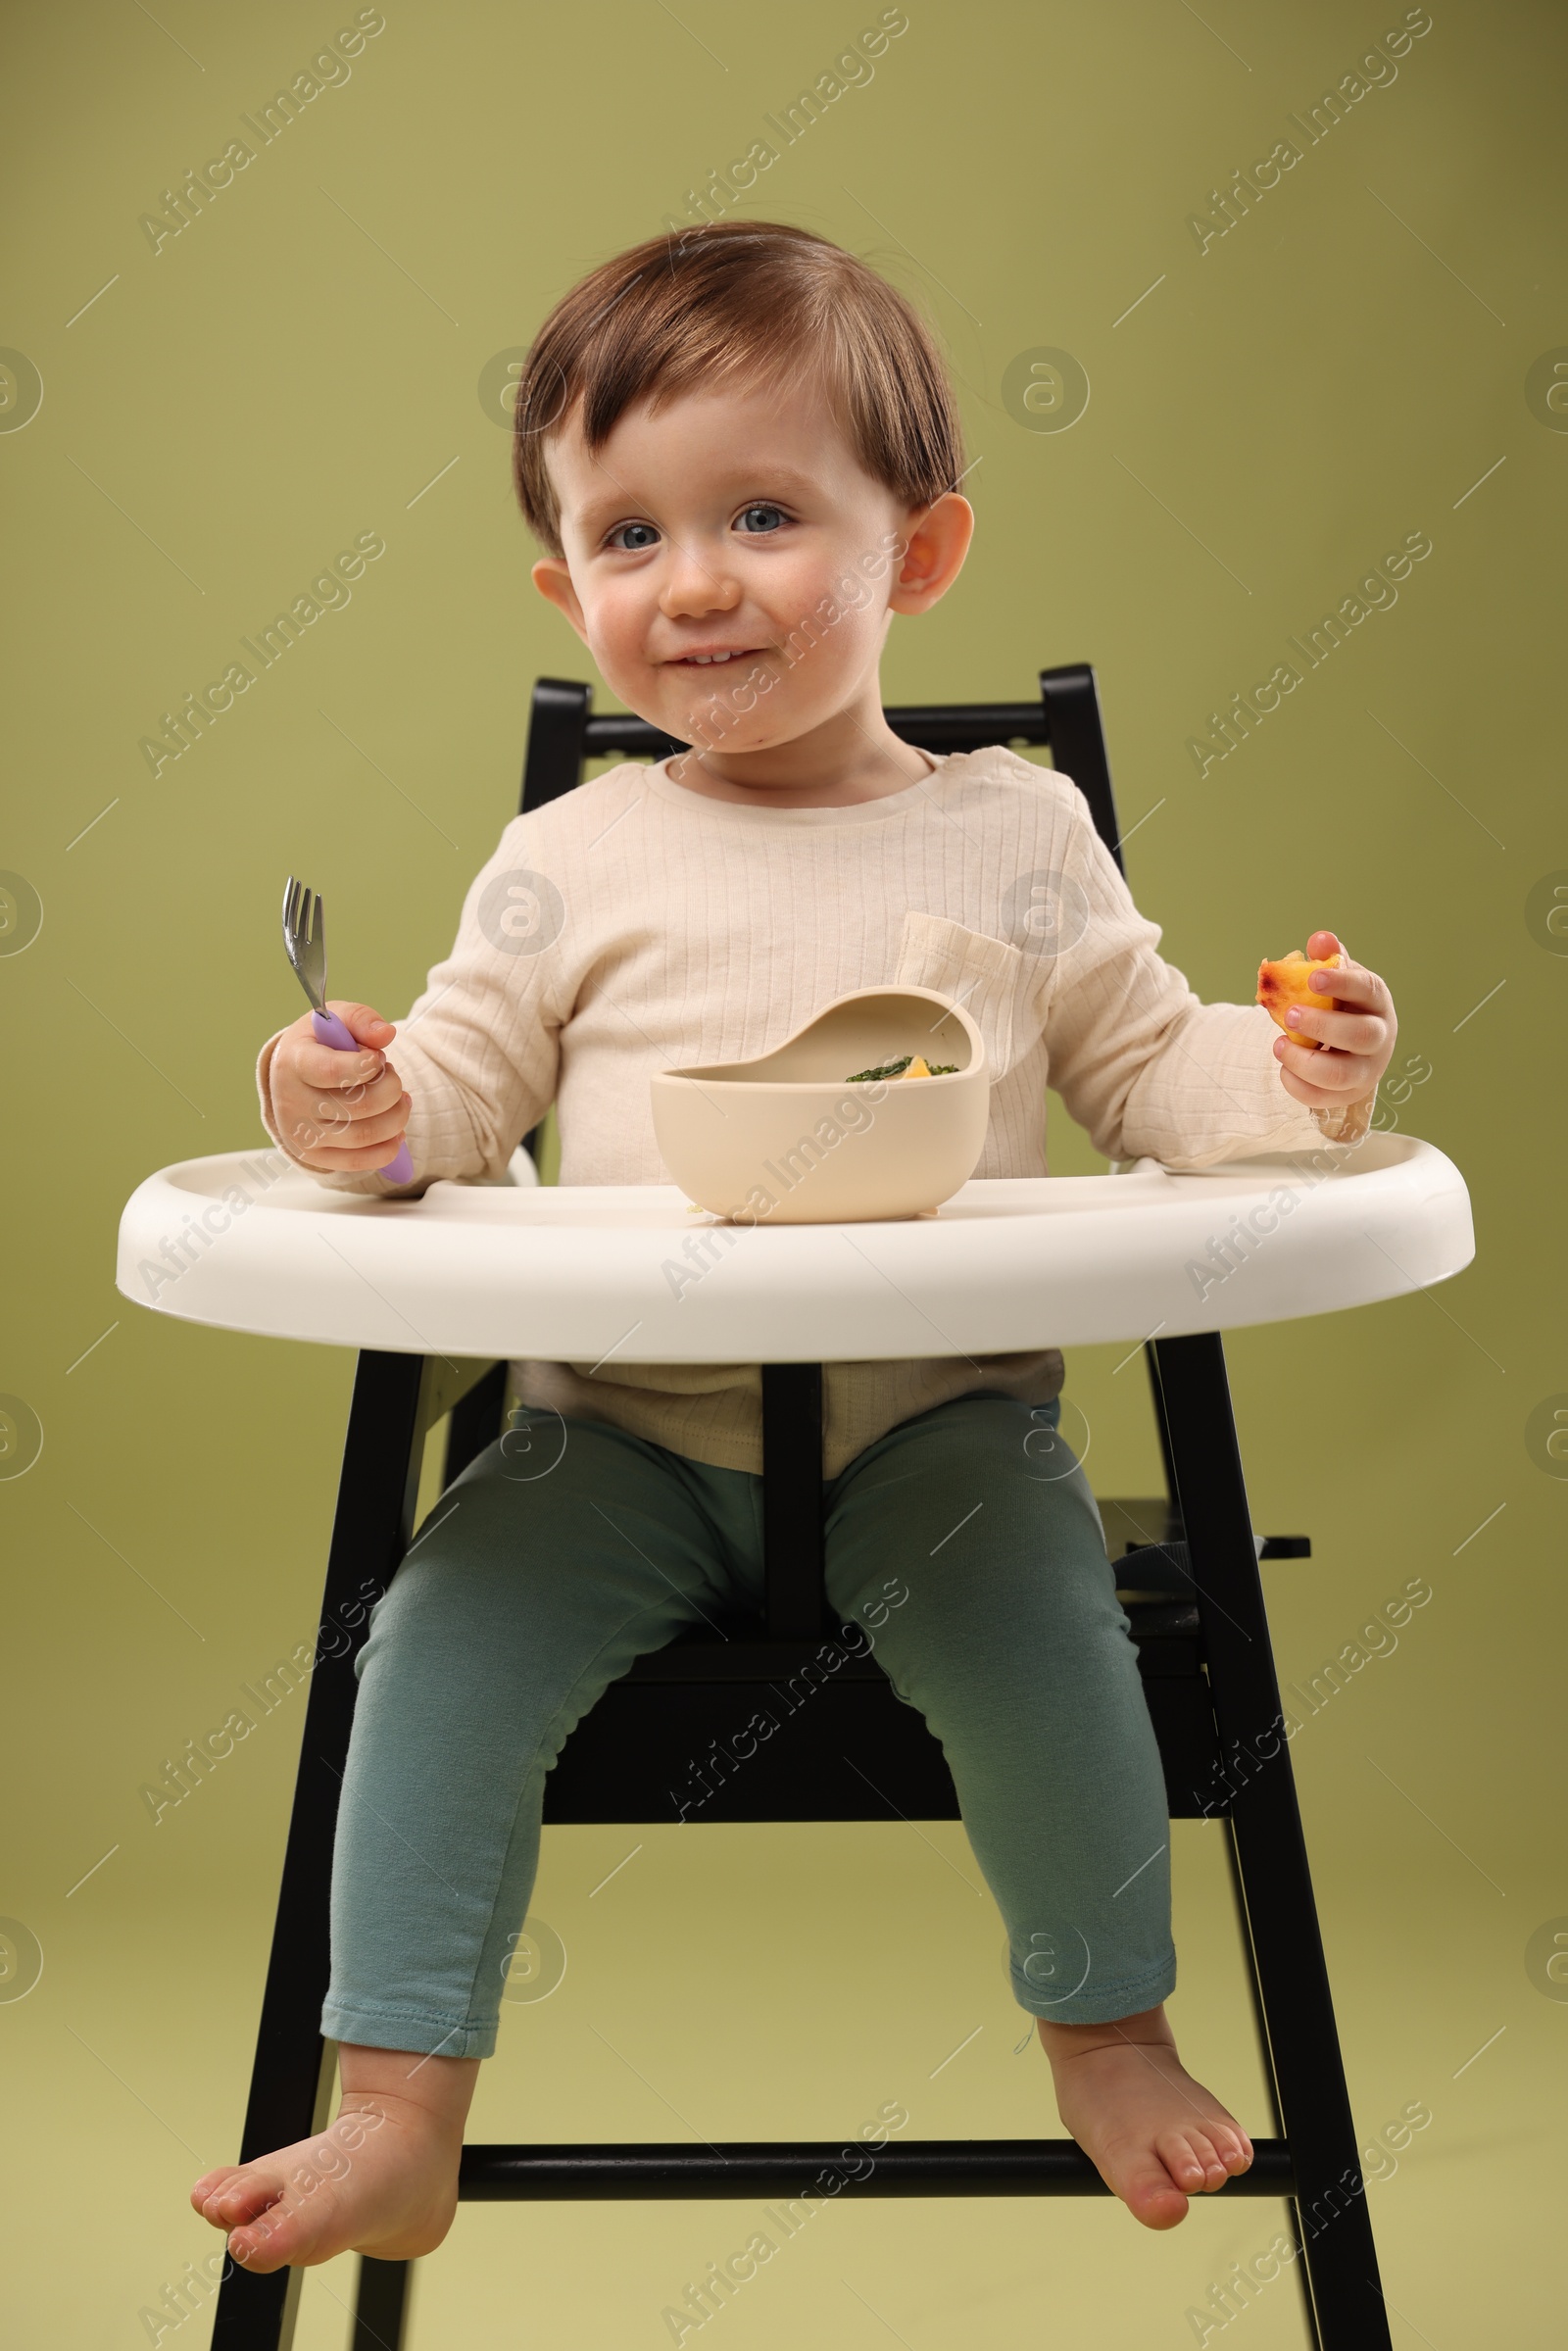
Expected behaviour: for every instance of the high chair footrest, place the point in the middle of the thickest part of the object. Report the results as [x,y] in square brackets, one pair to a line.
[933,2166]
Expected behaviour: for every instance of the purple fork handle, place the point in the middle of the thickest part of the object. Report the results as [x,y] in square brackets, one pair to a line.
[329,1030]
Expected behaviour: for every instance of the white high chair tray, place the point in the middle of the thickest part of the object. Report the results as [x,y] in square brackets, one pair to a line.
[629,1273]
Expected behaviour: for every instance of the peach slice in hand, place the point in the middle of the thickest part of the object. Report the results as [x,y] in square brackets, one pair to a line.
[1286,983]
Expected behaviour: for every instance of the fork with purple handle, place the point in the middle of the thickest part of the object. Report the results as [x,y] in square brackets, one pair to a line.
[305,942]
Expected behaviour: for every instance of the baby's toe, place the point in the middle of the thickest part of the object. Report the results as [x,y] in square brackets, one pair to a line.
[272,2239]
[209,2182]
[288,2234]
[1144,2186]
[242,2196]
[266,2244]
[1191,2161]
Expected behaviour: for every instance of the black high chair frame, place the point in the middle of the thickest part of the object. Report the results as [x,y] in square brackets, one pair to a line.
[1187,1578]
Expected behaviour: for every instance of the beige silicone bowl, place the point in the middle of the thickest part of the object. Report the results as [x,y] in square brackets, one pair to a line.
[784,1140]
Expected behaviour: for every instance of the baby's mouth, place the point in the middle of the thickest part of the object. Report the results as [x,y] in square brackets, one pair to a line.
[714,661]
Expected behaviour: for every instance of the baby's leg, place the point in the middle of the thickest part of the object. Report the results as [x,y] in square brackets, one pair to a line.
[1011,1643]
[538,1578]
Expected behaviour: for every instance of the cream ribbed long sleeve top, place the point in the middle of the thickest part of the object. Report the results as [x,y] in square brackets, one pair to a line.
[633,925]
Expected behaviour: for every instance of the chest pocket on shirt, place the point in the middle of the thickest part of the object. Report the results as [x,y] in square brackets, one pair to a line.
[981,973]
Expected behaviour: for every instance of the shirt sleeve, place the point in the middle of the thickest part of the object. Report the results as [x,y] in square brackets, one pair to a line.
[1142,1063]
[479,1049]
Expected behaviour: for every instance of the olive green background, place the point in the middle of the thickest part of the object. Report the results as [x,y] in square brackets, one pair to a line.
[1266,418]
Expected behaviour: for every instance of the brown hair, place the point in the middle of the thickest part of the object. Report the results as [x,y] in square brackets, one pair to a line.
[753,300]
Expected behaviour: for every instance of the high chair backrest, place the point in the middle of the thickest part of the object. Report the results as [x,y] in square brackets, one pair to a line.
[564,735]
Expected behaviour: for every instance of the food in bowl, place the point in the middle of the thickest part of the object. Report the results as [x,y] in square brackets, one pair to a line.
[913,1065]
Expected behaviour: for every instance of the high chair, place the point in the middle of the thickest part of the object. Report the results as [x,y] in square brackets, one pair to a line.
[1188,1576]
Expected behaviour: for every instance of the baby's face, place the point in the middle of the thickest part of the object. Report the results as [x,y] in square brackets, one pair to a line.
[732,522]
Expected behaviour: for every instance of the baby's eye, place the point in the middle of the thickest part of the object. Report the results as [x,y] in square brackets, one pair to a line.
[746,519]
[639,545]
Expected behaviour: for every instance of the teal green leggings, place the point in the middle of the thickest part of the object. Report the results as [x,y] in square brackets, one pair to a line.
[570,1547]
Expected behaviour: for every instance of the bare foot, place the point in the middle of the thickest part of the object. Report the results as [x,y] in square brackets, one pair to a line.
[1154,2135]
[382,2178]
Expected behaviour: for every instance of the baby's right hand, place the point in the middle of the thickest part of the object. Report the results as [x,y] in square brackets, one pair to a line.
[341,1113]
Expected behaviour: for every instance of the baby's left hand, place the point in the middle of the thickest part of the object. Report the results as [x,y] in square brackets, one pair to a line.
[1354,1046]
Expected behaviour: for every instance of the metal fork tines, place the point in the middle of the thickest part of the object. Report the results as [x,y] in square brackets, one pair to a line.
[305,940]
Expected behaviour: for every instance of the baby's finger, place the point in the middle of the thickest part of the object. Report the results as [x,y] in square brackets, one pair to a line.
[362,1021]
[1349,1032]
[334,1140]
[1320,1098]
[381,1126]
[356,1103]
[1352,984]
[369,1160]
[320,1068]
[1325,1074]
[320,1064]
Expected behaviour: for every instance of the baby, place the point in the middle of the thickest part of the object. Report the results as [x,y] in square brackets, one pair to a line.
[741,452]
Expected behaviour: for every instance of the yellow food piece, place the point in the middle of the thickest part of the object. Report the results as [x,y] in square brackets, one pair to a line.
[1285,983]
[917,1067]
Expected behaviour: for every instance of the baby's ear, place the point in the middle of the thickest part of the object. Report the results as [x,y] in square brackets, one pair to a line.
[552,577]
[937,541]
